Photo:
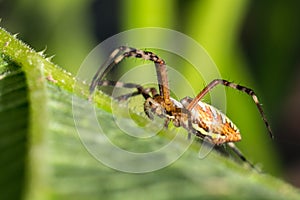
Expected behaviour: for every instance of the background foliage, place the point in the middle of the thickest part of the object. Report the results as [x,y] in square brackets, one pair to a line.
[253,43]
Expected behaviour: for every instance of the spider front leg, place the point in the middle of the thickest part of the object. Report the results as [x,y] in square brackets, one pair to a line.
[247,90]
[145,92]
[123,52]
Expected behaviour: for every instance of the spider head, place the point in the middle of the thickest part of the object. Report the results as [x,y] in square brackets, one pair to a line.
[152,106]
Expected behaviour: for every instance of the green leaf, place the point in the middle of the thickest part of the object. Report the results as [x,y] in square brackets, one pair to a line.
[43,156]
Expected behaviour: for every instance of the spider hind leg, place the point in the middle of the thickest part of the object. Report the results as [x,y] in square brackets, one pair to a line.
[241,156]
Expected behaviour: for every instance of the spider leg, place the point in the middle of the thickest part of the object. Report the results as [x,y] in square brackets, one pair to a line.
[206,140]
[240,155]
[190,125]
[113,59]
[123,52]
[140,89]
[247,90]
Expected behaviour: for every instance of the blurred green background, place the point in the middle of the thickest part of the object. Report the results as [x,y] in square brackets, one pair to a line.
[254,43]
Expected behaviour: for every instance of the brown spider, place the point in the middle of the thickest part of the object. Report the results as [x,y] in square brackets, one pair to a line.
[197,117]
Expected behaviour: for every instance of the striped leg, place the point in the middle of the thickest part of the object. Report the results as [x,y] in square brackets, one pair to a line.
[123,52]
[140,90]
[248,91]
[240,155]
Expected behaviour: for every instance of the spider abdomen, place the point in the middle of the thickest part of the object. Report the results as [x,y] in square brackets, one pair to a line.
[211,122]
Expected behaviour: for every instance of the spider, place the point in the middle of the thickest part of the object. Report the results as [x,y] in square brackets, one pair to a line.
[198,118]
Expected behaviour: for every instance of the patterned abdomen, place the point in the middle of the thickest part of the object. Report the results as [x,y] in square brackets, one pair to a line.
[211,122]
